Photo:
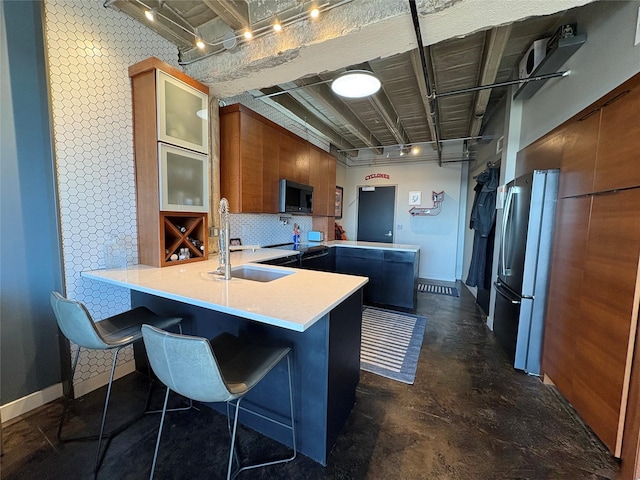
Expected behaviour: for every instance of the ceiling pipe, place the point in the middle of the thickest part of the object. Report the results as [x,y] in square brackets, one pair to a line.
[536,78]
[425,72]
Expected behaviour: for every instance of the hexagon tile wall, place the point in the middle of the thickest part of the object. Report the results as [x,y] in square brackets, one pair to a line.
[89,49]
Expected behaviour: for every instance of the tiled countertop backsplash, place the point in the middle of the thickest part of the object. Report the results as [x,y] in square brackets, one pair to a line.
[264,229]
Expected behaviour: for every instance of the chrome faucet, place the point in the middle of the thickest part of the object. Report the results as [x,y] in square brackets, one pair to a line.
[223,211]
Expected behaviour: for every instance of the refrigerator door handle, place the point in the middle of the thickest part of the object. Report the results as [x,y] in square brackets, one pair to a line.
[505,294]
[506,216]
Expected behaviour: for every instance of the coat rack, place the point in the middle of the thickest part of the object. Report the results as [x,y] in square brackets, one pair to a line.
[438,198]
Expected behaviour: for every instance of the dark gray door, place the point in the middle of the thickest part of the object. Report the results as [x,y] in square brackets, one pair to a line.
[376,207]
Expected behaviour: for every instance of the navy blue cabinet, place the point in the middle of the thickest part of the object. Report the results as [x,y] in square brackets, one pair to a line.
[393,274]
[365,262]
[399,279]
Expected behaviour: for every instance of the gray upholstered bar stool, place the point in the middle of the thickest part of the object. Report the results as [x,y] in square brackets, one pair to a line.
[113,333]
[224,369]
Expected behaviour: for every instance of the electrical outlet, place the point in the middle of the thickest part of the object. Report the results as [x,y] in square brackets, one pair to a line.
[637,41]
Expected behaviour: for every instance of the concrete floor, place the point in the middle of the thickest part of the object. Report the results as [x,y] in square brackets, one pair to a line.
[469,415]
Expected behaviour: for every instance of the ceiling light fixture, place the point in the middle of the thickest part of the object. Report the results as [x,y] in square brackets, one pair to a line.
[356,84]
[314,13]
[150,14]
[248,35]
[199,43]
[277,26]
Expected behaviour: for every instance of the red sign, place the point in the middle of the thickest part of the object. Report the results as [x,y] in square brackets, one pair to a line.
[377,175]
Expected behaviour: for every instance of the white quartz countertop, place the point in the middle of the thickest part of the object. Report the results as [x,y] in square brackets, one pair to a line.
[294,301]
[373,245]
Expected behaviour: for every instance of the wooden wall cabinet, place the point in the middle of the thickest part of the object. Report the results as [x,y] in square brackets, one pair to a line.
[255,154]
[293,158]
[170,142]
[594,291]
[563,317]
[322,177]
[241,167]
[618,165]
[579,156]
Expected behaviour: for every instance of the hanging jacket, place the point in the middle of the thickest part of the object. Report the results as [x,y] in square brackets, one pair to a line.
[483,211]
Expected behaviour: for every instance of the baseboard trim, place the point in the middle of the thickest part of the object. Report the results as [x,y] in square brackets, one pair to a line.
[26,404]
[37,399]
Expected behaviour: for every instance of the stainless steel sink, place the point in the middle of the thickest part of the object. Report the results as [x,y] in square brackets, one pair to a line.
[258,274]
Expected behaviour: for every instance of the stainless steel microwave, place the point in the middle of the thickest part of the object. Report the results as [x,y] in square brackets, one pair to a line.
[295,197]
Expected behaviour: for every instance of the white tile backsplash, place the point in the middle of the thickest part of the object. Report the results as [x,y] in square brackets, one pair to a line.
[267,229]
[89,50]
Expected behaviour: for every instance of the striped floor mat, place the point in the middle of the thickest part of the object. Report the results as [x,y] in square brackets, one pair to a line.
[391,343]
[430,288]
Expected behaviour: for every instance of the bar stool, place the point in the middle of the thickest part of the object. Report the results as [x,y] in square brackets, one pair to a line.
[224,369]
[113,333]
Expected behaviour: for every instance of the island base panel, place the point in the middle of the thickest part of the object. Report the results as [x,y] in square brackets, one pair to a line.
[325,369]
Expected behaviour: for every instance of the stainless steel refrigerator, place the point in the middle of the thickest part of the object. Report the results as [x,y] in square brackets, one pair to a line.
[523,267]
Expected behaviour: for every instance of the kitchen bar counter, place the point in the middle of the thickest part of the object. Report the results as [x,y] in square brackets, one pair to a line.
[318,314]
[295,301]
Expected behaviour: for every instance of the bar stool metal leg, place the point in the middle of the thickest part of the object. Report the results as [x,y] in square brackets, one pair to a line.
[67,397]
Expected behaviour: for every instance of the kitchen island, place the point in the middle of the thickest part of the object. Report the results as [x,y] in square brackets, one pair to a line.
[392,269]
[318,314]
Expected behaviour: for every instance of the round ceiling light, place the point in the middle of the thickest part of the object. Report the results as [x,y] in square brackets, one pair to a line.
[355,84]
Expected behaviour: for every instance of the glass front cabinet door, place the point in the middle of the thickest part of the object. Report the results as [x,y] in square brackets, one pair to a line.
[184,180]
[182,114]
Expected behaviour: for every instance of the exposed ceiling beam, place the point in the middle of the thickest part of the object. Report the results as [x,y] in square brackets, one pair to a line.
[323,95]
[424,95]
[380,101]
[495,44]
[230,12]
[292,105]
[177,35]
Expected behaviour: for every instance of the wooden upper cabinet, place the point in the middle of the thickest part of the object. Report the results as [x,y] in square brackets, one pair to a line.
[618,163]
[579,155]
[331,185]
[256,153]
[242,162]
[294,158]
[543,154]
[318,170]
[270,170]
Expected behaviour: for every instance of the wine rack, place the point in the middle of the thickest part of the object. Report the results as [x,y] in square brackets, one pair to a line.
[178,231]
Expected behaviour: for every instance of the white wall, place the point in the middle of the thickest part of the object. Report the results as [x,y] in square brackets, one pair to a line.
[606,59]
[436,235]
